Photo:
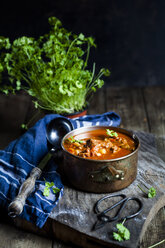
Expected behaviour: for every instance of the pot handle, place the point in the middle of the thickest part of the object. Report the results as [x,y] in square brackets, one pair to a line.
[107,174]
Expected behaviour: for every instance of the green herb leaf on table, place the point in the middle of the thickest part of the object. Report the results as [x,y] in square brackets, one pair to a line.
[111,133]
[150,192]
[117,236]
[122,234]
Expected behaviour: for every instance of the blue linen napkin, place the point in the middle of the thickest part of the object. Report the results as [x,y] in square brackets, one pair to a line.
[23,154]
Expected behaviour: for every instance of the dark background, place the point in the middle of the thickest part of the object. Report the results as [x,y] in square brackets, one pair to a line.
[130,35]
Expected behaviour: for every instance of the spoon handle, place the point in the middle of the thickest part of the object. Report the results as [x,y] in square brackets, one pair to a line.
[16,206]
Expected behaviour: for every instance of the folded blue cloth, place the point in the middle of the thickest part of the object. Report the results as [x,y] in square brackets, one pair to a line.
[23,154]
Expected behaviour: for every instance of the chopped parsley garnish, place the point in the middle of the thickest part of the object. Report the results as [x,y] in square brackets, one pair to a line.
[111,133]
[72,140]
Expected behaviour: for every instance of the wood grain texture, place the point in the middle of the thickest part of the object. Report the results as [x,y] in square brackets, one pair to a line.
[58,244]
[98,102]
[129,104]
[16,206]
[154,99]
[11,237]
[155,231]
[155,106]
[13,109]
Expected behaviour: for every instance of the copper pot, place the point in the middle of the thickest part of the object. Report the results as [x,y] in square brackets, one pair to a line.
[100,176]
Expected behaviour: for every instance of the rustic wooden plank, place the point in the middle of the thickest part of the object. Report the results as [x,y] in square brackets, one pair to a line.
[129,104]
[155,106]
[33,114]
[155,231]
[11,237]
[154,98]
[46,231]
[61,245]
[98,102]
[13,110]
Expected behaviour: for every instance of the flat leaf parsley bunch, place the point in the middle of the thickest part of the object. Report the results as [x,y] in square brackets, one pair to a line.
[52,69]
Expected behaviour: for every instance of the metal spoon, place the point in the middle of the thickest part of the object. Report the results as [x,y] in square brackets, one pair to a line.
[55,131]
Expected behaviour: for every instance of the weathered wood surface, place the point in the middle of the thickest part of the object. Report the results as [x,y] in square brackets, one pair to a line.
[10,237]
[139,109]
[13,111]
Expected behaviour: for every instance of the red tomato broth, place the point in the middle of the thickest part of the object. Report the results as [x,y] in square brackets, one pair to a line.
[99,135]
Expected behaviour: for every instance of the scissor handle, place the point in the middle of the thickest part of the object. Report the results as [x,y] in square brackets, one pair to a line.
[102,215]
[136,213]
[96,206]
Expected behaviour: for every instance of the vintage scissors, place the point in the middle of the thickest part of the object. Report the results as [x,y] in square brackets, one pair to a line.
[103,218]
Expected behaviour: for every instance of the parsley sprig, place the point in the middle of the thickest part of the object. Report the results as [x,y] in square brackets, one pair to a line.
[123,233]
[73,140]
[111,133]
[48,187]
[151,192]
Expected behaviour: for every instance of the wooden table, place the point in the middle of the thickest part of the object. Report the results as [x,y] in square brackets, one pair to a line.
[141,109]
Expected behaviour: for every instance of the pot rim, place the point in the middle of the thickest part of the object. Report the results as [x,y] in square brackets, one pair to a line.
[122,130]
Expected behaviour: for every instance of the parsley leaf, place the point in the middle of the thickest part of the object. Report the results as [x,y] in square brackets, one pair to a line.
[151,192]
[120,227]
[46,191]
[48,187]
[55,190]
[24,126]
[111,133]
[49,184]
[123,233]
[72,140]
[117,236]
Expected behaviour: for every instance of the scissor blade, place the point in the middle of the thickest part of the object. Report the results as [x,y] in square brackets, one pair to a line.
[99,224]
